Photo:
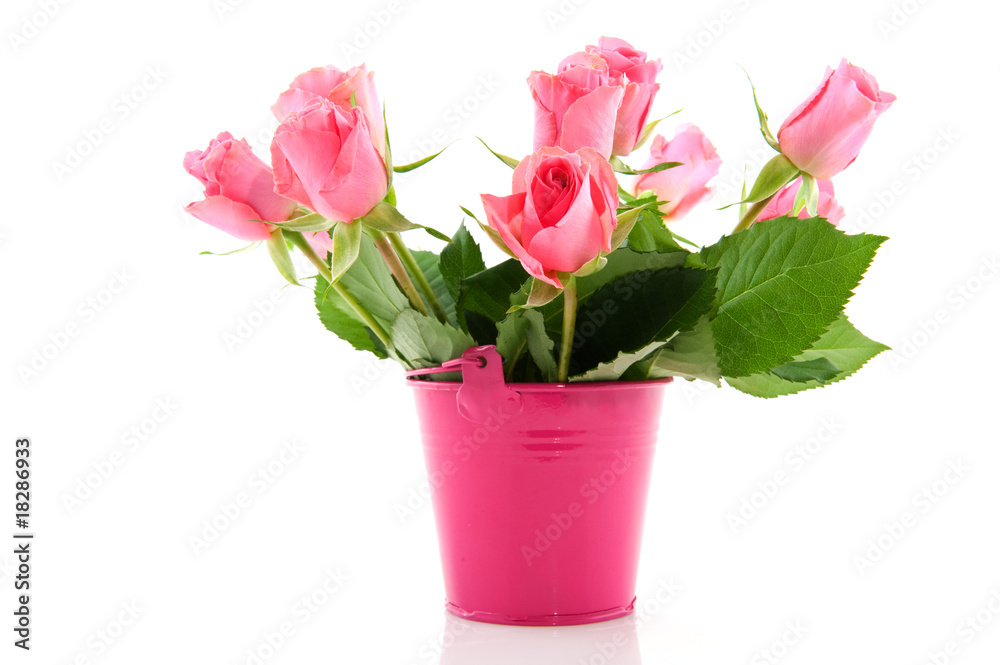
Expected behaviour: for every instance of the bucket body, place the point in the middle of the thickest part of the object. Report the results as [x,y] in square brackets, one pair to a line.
[539,508]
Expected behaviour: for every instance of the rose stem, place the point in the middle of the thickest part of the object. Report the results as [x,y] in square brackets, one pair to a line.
[397,270]
[406,256]
[569,328]
[299,241]
[752,213]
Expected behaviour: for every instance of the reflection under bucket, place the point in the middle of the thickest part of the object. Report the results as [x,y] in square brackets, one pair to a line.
[471,643]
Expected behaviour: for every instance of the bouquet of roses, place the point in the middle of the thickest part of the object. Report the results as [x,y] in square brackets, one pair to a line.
[597,288]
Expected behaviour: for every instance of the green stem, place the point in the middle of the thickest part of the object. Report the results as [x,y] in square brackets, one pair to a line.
[406,256]
[751,215]
[569,328]
[299,241]
[513,361]
[397,269]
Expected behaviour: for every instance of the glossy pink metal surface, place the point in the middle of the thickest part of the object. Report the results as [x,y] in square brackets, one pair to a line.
[539,501]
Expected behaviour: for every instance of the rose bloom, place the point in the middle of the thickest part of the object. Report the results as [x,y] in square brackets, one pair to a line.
[825,133]
[684,186]
[239,189]
[783,202]
[578,107]
[323,158]
[638,76]
[561,213]
[338,87]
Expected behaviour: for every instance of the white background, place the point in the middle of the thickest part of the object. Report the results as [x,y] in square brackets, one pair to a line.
[335,506]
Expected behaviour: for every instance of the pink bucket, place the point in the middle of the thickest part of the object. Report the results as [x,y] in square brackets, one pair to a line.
[539,492]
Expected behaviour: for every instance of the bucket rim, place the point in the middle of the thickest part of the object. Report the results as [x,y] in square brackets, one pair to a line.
[582,386]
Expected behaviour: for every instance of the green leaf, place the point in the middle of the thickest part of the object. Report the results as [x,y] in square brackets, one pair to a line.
[623,168]
[800,371]
[526,328]
[425,341]
[460,259]
[491,233]
[487,294]
[417,164]
[431,264]
[388,152]
[370,281]
[807,197]
[509,161]
[651,235]
[842,345]
[777,173]
[346,245]
[621,263]
[341,319]
[386,218]
[306,223]
[247,248]
[762,117]
[628,314]
[781,283]
[278,250]
[688,355]
[592,266]
[648,130]
[626,221]
[541,293]
[613,370]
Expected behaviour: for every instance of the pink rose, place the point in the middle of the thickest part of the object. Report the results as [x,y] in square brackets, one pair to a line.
[784,201]
[638,75]
[239,189]
[324,158]
[338,87]
[561,213]
[825,133]
[321,242]
[577,108]
[683,187]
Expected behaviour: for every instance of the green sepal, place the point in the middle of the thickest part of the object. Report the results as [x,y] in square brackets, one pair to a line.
[278,251]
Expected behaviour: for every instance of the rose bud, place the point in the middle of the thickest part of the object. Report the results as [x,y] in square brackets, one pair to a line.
[239,189]
[825,133]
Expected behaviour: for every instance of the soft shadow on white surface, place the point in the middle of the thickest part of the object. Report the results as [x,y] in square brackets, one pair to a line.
[472,643]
